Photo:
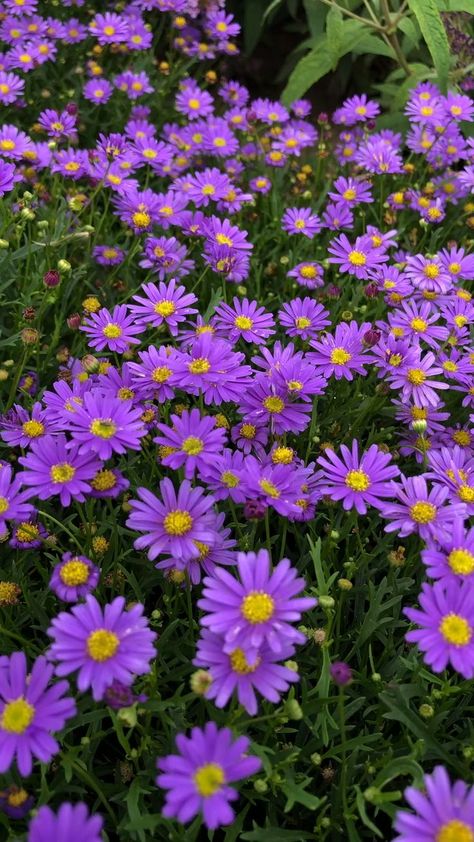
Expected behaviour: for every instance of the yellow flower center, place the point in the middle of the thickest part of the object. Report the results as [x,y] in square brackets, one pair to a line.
[204,549]
[102,645]
[395,360]
[243,322]
[109,254]
[257,607]
[269,488]
[357,258]
[200,365]
[27,532]
[455,629]
[302,322]
[357,480]
[282,456]
[33,429]
[300,223]
[208,189]
[104,480]
[109,30]
[165,308]
[418,325]
[17,716]
[141,219]
[209,779]
[466,493]
[4,89]
[431,270]
[273,404]
[17,797]
[193,446]
[7,145]
[416,376]
[423,512]
[104,428]
[361,109]
[448,365]
[454,268]
[461,562]
[308,272]
[455,831]
[229,479]
[339,356]
[177,522]
[194,103]
[223,240]
[112,331]
[247,431]
[462,437]
[166,210]
[125,394]
[239,663]
[62,472]
[349,194]
[419,413]
[74,572]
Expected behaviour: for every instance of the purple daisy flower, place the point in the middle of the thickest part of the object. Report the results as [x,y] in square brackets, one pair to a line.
[55,466]
[108,483]
[152,374]
[452,555]
[358,258]
[231,672]
[8,177]
[98,91]
[357,481]
[446,633]
[11,87]
[113,330]
[414,378]
[352,191]
[165,303]
[198,778]
[108,255]
[193,441]
[213,369]
[106,425]
[15,802]
[342,354]
[223,476]
[71,822]
[267,403]
[27,535]
[308,274]
[244,320]
[74,577]
[416,509]
[356,109]
[19,428]
[259,607]
[301,221]
[13,505]
[30,711]
[443,813]
[103,644]
[303,317]
[173,524]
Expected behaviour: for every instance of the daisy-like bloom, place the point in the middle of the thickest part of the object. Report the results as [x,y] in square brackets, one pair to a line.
[223,476]
[103,644]
[98,91]
[57,124]
[151,375]
[15,802]
[308,274]
[428,273]
[74,577]
[217,551]
[71,163]
[193,102]
[260,606]
[108,483]
[63,402]
[210,185]
[109,28]
[276,485]
[261,184]
[342,354]
[446,633]
[357,481]
[192,441]
[133,84]
[301,221]
[418,321]
[166,257]
[221,232]
[30,711]
[356,109]
[19,428]
[174,523]
[108,255]
[8,177]
[358,258]
[377,156]
[72,822]
[54,467]
[303,317]
[451,556]
[417,509]
[244,320]
[250,437]
[443,813]
[13,505]
[352,191]
[165,303]
[106,425]
[264,403]
[199,779]
[13,142]
[231,672]
[113,330]
[213,369]
[11,87]
[414,378]
[337,216]
[27,535]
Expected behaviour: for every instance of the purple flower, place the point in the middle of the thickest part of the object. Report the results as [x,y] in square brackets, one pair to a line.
[98,91]
[301,221]
[259,607]
[231,672]
[446,633]
[152,374]
[351,191]
[8,177]
[213,369]
[358,258]
[303,317]
[268,403]
[443,813]
[416,509]
[103,644]
[74,577]
[119,696]
[106,425]
[174,523]
[356,109]
[108,483]
[57,124]
[15,802]
[194,441]
[165,303]
[11,87]
[357,481]
[245,319]
[113,330]
[340,673]
[54,467]
[223,475]
[71,822]
[198,778]
[413,377]
[20,428]
[13,505]
[30,711]
[308,274]
[451,556]
[108,255]
[342,354]
[193,102]
[27,535]
[109,28]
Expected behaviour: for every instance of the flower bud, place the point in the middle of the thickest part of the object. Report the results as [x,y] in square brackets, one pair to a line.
[74,321]
[27,214]
[260,786]
[4,244]
[29,314]
[29,336]
[90,364]
[200,682]
[426,711]
[72,109]
[371,337]
[316,759]
[128,716]
[64,266]
[51,278]
[293,709]
[341,673]
[344,584]
[326,601]
[419,425]
[371,290]
[254,510]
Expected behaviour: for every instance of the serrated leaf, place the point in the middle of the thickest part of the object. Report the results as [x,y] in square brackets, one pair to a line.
[309,70]
[434,33]
[372,45]
[334,33]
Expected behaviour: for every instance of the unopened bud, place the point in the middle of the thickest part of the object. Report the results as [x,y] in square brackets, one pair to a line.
[200,682]
[260,786]
[29,336]
[90,364]
[326,601]
[293,709]
[74,321]
[344,584]
[64,266]
[419,425]
[51,278]
[426,711]
[27,214]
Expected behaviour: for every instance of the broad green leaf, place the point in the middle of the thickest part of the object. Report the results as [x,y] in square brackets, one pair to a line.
[372,45]
[316,14]
[309,70]
[456,6]
[253,22]
[434,33]
[410,30]
[275,834]
[334,34]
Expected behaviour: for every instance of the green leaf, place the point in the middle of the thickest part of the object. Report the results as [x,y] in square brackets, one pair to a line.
[372,45]
[334,34]
[254,19]
[315,16]
[274,834]
[309,70]
[410,30]
[434,33]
